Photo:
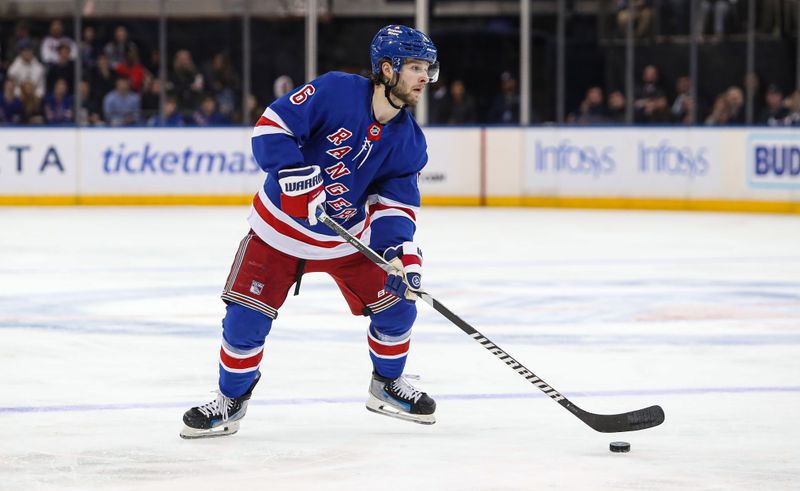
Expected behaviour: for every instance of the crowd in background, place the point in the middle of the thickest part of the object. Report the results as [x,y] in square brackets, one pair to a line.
[653,105]
[117,87]
[120,86]
[715,19]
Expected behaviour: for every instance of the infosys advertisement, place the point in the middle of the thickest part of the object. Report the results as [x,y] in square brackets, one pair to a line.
[622,163]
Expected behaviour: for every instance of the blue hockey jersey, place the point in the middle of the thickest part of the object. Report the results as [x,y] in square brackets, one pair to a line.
[370,171]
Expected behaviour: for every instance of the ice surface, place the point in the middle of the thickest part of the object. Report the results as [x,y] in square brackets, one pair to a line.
[110,325]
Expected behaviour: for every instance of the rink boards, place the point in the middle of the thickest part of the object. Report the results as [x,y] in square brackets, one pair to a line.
[743,169]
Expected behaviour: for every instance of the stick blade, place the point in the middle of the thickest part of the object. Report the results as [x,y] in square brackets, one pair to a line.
[640,419]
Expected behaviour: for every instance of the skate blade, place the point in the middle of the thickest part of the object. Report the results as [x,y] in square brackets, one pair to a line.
[225,429]
[378,406]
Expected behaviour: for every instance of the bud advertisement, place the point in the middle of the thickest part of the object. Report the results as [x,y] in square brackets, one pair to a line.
[773,160]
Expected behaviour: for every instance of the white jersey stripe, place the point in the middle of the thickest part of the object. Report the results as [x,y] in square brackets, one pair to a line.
[377,198]
[388,357]
[239,370]
[390,212]
[269,130]
[394,342]
[240,354]
[298,248]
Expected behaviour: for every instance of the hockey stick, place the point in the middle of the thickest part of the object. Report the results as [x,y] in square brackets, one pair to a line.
[605,423]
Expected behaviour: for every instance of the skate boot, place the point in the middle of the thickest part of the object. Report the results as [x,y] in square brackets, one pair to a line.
[399,399]
[219,417]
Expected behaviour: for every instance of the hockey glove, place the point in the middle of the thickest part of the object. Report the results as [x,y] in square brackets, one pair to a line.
[301,192]
[407,261]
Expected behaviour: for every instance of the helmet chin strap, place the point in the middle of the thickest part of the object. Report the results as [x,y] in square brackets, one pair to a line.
[387,90]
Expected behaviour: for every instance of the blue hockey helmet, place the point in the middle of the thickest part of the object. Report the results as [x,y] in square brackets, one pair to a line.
[396,43]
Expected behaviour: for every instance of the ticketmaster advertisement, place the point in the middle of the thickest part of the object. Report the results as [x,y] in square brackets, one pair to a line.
[652,163]
[172,161]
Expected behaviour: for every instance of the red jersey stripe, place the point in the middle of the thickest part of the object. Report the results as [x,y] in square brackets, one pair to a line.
[265,121]
[384,350]
[239,363]
[289,231]
[380,206]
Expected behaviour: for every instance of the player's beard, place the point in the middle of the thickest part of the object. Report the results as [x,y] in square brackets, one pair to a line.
[406,95]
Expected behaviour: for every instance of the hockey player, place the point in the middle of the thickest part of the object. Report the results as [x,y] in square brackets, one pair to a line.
[349,144]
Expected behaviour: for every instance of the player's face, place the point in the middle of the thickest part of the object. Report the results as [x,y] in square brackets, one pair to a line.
[412,79]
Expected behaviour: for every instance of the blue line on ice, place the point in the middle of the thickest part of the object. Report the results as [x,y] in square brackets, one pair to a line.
[448,397]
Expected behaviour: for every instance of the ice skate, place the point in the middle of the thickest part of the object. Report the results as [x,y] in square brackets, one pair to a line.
[219,417]
[399,399]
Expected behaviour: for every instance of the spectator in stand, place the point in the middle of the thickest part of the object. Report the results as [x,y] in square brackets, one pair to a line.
[722,11]
[720,112]
[133,69]
[461,106]
[186,81]
[221,80]
[642,17]
[64,69]
[793,105]
[592,109]
[101,78]
[53,41]
[655,110]
[253,110]
[59,105]
[282,86]
[27,68]
[735,100]
[121,106]
[684,115]
[32,112]
[683,103]
[87,49]
[753,81]
[207,114]
[151,98]
[648,87]
[117,49]
[10,104]
[21,37]
[91,108]
[616,107]
[505,107]
[172,117]
[438,101]
[153,62]
[774,112]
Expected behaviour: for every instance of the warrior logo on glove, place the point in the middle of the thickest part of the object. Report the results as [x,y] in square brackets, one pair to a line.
[301,192]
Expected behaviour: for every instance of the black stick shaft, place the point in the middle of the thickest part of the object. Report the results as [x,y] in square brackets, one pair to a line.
[634,420]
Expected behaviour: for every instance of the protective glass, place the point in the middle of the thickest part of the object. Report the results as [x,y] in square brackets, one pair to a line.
[433,72]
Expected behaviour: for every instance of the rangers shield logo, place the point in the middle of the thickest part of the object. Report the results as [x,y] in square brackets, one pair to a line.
[256,287]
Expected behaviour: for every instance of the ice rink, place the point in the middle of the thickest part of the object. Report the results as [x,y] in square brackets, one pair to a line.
[110,330]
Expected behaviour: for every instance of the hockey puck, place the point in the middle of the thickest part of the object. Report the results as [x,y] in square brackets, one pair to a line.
[620,447]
